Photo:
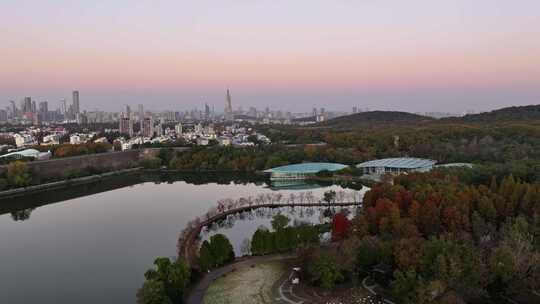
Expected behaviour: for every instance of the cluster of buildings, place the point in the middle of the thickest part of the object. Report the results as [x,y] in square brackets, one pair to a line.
[190,134]
[30,112]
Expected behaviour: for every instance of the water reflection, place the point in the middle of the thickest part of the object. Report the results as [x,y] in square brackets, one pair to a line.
[113,230]
[21,207]
[21,215]
[240,227]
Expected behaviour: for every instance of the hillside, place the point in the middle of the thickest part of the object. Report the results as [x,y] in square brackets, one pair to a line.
[519,113]
[375,119]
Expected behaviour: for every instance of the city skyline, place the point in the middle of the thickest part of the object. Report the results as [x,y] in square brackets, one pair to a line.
[413,56]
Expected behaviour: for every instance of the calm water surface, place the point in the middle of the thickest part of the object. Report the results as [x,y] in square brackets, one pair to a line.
[96,248]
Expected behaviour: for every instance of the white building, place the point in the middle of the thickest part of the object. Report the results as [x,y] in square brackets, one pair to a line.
[376,168]
[51,139]
[77,139]
[32,153]
[178,129]
[24,140]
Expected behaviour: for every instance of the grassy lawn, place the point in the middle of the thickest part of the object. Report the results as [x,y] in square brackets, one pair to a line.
[247,284]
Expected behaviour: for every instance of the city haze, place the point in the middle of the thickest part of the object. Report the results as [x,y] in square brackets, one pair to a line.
[415,56]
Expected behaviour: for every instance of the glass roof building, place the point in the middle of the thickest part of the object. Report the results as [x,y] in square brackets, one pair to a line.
[396,165]
[301,171]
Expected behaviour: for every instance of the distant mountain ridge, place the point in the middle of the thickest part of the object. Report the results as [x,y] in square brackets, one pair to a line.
[384,119]
[376,118]
[516,113]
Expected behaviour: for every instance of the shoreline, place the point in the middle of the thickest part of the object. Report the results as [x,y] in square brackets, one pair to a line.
[61,184]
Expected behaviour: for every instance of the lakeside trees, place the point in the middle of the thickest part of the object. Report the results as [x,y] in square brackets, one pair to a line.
[18,174]
[216,252]
[283,238]
[442,236]
[165,283]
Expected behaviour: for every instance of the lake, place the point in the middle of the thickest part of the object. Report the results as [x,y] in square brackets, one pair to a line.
[93,243]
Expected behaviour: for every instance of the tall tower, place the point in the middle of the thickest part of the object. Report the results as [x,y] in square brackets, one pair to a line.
[206,111]
[76,109]
[228,105]
[27,104]
[141,116]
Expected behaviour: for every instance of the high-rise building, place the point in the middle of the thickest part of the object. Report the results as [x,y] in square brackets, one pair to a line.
[27,105]
[14,111]
[141,116]
[126,125]
[44,110]
[3,116]
[206,111]
[147,128]
[63,107]
[127,111]
[228,106]
[178,129]
[76,108]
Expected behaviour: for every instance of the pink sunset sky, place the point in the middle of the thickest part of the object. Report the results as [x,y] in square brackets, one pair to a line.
[415,55]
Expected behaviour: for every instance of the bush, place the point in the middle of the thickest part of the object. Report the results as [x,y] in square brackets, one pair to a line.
[165,283]
[3,184]
[151,163]
[216,252]
[324,173]
[18,174]
[325,272]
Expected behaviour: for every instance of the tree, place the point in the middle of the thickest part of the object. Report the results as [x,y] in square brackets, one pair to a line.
[153,292]
[165,283]
[340,227]
[206,260]
[279,221]
[221,249]
[258,240]
[405,285]
[178,280]
[324,270]
[329,196]
[18,174]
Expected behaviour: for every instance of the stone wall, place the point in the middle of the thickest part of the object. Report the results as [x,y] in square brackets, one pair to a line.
[63,167]
[59,168]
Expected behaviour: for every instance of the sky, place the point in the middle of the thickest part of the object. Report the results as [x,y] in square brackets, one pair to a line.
[414,55]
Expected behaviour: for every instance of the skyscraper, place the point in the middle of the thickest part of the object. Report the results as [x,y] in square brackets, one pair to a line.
[27,105]
[141,116]
[3,116]
[44,110]
[147,127]
[228,105]
[13,108]
[127,111]
[126,125]
[206,111]
[76,109]
[63,107]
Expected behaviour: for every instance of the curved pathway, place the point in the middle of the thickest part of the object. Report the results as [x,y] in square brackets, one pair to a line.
[185,244]
[196,294]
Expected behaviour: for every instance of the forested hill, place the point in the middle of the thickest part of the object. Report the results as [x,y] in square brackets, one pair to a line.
[390,119]
[375,119]
[520,113]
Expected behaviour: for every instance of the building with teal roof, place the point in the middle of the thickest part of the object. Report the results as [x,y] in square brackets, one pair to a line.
[302,171]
